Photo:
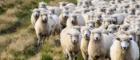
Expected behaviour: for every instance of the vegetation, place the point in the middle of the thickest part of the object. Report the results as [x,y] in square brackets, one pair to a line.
[17,36]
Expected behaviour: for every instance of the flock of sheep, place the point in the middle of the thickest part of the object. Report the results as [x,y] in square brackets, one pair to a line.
[100,30]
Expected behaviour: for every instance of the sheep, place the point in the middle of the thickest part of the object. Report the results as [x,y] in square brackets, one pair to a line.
[91,24]
[42,5]
[44,26]
[70,42]
[55,10]
[107,38]
[63,18]
[85,32]
[96,47]
[41,28]
[35,16]
[71,7]
[75,19]
[57,22]
[113,28]
[119,17]
[124,48]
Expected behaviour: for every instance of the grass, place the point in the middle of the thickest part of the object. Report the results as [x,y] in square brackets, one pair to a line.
[17,35]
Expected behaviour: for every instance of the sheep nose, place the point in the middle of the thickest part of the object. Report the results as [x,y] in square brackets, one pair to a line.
[124,48]
[74,42]
[96,38]
[91,26]
[86,35]
[65,17]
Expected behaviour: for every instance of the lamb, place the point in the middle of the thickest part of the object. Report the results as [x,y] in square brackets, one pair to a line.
[35,16]
[96,47]
[85,32]
[70,42]
[124,48]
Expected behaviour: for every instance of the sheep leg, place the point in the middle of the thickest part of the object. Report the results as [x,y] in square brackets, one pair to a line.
[70,56]
[76,55]
[39,41]
[66,56]
[85,56]
[90,58]
[43,38]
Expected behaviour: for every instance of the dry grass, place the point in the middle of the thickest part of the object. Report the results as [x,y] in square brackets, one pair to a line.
[17,36]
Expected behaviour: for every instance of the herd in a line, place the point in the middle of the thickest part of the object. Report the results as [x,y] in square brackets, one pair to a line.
[98,29]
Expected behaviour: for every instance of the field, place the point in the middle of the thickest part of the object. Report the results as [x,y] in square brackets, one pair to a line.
[17,35]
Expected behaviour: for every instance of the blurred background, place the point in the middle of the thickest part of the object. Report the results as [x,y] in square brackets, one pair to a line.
[17,36]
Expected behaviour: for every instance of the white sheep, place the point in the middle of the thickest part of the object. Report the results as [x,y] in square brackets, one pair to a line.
[44,26]
[34,16]
[41,28]
[113,28]
[96,47]
[56,20]
[70,42]
[63,17]
[119,17]
[42,5]
[85,32]
[124,48]
[75,20]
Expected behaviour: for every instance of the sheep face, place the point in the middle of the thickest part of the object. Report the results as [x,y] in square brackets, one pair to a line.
[96,36]
[42,5]
[124,28]
[44,18]
[112,28]
[74,38]
[65,15]
[125,41]
[91,24]
[86,34]
[74,20]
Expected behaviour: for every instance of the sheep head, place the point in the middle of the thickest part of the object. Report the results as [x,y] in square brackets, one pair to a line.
[74,36]
[96,35]
[42,5]
[44,17]
[124,40]
[85,33]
